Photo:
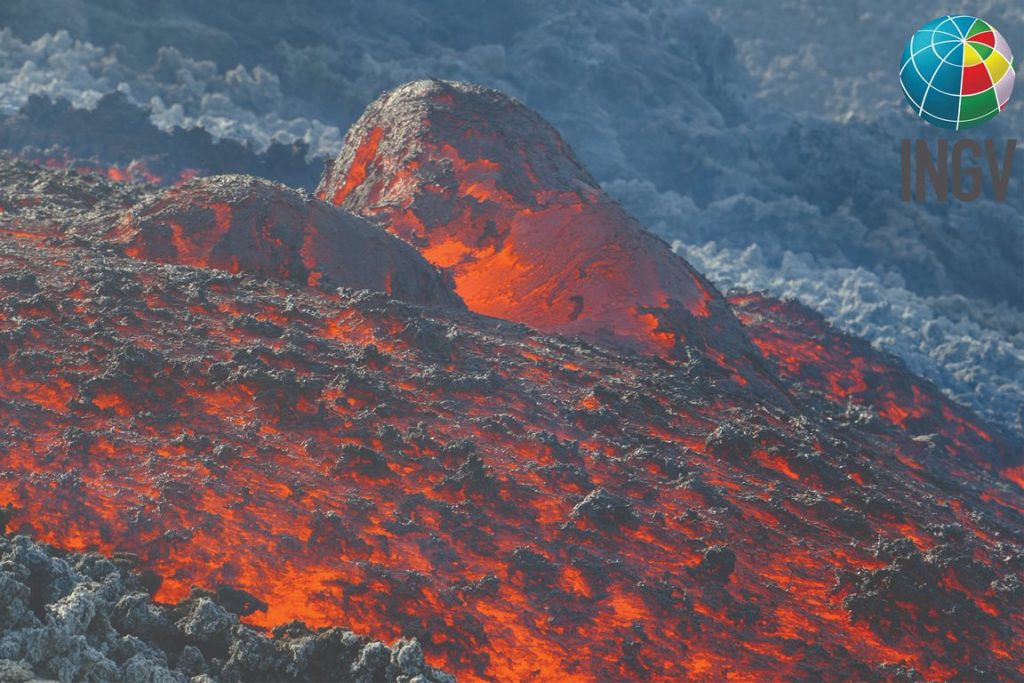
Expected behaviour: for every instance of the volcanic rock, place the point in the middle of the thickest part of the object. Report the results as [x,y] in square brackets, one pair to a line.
[487,189]
[811,357]
[527,506]
[717,563]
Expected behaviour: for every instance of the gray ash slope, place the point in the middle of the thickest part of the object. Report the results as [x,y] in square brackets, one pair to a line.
[657,100]
[87,618]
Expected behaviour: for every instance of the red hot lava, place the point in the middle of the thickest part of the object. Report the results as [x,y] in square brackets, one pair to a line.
[531,507]
[137,171]
[807,352]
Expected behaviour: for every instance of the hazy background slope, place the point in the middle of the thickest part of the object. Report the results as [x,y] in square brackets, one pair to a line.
[762,143]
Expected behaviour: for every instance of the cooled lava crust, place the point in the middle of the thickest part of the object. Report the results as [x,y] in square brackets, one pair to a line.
[673,486]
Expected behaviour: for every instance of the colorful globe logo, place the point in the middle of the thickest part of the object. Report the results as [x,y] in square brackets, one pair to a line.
[957,72]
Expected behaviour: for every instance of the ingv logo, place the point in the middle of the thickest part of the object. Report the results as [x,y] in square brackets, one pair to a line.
[957,72]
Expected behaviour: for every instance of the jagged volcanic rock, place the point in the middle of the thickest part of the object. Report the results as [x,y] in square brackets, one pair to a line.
[486,188]
[83,617]
[245,224]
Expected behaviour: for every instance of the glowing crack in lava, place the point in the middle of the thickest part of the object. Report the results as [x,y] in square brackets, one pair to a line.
[530,506]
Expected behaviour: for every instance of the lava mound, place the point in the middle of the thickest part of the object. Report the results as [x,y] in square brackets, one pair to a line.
[487,189]
[246,224]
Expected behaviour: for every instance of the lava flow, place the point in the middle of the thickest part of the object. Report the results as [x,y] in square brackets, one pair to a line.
[813,357]
[204,377]
[137,171]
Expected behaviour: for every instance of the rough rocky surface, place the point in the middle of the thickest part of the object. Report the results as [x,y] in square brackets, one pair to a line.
[849,372]
[651,94]
[74,617]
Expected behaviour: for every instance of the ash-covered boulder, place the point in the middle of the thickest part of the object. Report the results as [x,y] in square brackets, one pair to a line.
[485,187]
[604,510]
[717,564]
[249,225]
[731,441]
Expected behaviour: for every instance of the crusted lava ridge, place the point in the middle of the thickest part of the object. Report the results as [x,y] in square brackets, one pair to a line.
[246,224]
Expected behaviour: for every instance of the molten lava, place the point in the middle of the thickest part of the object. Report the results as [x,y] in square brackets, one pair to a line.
[531,507]
[138,171]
